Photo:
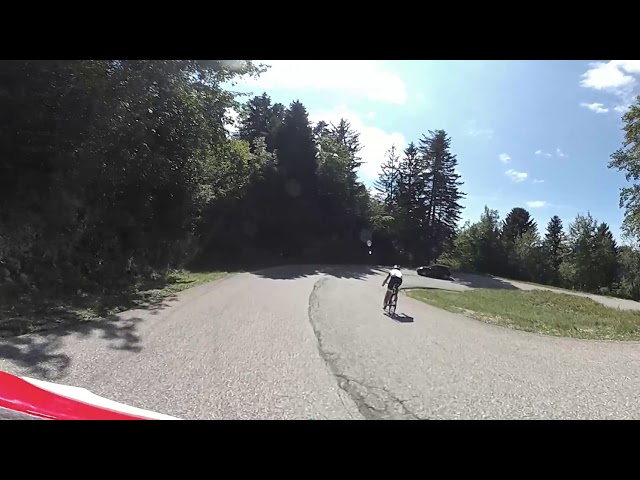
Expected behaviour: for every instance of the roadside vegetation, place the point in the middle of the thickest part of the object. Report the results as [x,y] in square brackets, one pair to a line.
[584,257]
[29,312]
[539,311]
[115,174]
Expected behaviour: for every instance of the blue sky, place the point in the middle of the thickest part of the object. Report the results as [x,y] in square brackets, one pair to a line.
[534,134]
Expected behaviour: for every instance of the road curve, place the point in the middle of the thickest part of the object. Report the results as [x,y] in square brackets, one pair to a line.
[312,342]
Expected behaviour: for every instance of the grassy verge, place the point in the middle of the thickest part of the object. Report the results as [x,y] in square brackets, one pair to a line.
[539,311]
[40,311]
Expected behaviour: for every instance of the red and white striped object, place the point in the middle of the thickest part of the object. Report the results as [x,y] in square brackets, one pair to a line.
[27,398]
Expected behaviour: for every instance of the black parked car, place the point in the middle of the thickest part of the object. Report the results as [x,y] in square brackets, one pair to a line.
[435,271]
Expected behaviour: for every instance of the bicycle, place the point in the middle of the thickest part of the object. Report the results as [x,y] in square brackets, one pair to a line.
[393,300]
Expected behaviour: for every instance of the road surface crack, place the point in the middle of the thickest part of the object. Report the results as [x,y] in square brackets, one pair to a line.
[373,403]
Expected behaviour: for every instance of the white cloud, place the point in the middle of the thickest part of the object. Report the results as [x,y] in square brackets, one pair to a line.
[504,158]
[535,180]
[537,204]
[559,153]
[617,77]
[374,140]
[362,78]
[540,152]
[371,115]
[609,75]
[473,130]
[595,107]
[516,176]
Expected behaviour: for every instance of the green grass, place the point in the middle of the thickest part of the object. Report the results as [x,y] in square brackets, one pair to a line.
[539,311]
[40,311]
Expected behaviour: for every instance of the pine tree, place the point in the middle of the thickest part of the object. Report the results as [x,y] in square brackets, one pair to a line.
[581,242]
[320,130]
[298,169]
[554,248]
[517,222]
[485,237]
[260,119]
[334,186]
[346,136]
[389,179]
[275,123]
[296,151]
[442,185]
[605,257]
[254,118]
[384,205]
[410,201]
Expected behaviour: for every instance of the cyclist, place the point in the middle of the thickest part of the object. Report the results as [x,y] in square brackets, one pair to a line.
[395,280]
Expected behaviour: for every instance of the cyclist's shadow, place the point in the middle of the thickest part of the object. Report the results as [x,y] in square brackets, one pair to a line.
[400,317]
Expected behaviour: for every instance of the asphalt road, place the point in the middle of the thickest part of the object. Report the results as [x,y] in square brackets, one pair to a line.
[312,342]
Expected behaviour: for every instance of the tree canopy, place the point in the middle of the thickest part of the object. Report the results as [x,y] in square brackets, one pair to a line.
[116,170]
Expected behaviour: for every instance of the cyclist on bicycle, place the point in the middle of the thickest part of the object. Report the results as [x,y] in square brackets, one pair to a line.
[395,280]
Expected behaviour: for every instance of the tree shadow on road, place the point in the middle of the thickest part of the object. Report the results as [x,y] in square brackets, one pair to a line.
[293,272]
[42,354]
[33,328]
[473,280]
[23,312]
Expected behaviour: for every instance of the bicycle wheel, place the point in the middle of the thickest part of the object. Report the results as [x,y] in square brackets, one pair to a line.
[393,303]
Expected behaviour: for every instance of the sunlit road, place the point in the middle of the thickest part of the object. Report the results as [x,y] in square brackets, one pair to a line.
[313,342]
